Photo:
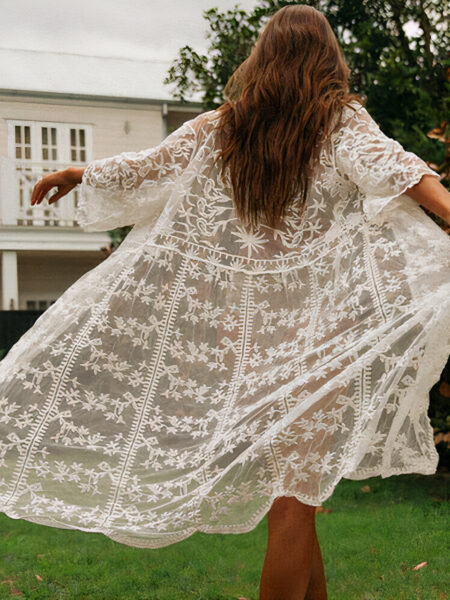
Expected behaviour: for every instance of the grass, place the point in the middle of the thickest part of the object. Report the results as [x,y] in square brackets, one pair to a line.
[370,542]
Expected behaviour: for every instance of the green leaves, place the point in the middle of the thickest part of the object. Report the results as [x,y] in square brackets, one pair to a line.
[231,36]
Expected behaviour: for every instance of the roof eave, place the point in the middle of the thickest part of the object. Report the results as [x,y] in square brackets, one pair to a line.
[34,94]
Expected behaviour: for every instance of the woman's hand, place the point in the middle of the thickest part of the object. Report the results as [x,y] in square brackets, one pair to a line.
[64,180]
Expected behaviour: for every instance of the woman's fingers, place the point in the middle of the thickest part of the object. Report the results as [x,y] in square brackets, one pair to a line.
[41,188]
[62,192]
[35,193]
[54,198]
[49,181]
[39,195]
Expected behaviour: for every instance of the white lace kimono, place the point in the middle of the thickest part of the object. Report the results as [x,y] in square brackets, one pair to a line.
[199,372]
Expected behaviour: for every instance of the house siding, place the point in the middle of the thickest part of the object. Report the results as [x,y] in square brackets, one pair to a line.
[109,123]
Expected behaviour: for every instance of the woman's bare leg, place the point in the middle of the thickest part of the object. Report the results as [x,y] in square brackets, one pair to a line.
[288,563]
[317,588]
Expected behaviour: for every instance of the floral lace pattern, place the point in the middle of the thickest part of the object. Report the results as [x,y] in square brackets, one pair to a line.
[200,371]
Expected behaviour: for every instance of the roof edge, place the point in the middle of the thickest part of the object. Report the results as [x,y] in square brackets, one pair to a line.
[34,94]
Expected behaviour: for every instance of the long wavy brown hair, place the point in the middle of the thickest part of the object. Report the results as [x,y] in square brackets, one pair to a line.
[279,105]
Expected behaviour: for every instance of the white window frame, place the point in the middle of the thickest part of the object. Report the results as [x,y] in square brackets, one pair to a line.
[43,214]
[62,140]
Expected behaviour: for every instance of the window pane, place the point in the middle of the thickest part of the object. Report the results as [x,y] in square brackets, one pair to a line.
[42,304]
[48,141]
[31,304]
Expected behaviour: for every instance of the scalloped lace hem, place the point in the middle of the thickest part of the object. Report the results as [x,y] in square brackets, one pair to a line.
[422,467]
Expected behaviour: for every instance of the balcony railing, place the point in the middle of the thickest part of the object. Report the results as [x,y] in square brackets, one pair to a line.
[17,180]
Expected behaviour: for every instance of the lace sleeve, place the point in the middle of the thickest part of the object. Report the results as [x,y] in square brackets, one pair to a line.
[131,186]
[379,165]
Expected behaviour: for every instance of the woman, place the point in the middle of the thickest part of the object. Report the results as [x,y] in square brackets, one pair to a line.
[271,324]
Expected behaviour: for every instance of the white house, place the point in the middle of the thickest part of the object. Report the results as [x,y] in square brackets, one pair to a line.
[56,110]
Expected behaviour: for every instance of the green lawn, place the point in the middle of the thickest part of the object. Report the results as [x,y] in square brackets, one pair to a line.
[370,543]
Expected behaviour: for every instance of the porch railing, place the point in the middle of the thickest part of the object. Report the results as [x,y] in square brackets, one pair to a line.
[17,179]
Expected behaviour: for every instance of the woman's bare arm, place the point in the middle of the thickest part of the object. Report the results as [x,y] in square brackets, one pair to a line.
[75,173]
[431,194]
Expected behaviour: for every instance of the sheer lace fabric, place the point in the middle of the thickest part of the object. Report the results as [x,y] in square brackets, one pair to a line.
[201,371]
